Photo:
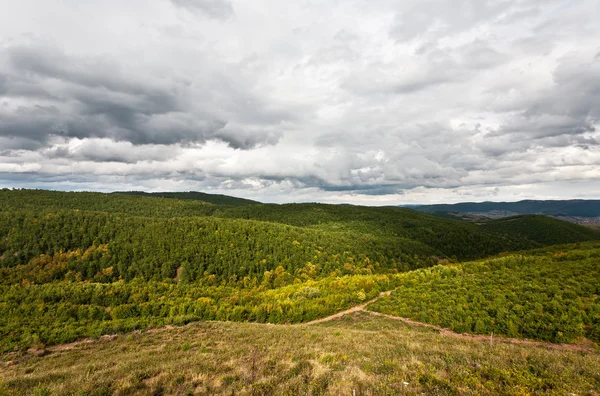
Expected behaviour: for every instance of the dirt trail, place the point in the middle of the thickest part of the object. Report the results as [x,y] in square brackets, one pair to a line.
[338,315]
[363,308]
[104,338]
[443,331]
[486,338]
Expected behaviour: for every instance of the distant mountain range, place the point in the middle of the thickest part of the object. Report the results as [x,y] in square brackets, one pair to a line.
[563,208]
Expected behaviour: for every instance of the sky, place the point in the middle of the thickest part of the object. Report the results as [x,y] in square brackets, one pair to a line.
[373,102]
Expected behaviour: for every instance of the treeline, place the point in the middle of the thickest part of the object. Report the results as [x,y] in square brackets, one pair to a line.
[48,201]
[216,199]
[551,296]
[63,312]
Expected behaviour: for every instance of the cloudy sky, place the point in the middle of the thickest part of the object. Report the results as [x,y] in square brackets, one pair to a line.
[364,101]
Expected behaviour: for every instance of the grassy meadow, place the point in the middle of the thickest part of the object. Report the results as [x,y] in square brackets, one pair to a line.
[357,354]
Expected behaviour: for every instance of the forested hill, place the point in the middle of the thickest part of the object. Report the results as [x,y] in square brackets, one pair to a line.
[575,207]
[391,235]
[37,201]
[216,199]
[105,263]
[541,229]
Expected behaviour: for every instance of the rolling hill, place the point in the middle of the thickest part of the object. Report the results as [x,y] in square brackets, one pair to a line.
[540,229]
[357,354]
[79,266]
[550,294]
[384,234]
[575,207]
[136,248]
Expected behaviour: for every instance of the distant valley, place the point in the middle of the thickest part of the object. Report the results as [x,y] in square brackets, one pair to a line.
[584,212]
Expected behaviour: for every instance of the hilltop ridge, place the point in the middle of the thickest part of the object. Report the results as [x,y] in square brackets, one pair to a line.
[216,199]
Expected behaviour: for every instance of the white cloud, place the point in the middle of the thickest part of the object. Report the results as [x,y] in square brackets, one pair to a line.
[220,9]
[372,102]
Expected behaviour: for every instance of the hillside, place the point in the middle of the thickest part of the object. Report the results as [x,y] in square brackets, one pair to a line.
[384,234]
[551,294]
[575,207]
[540,229]
[215,199]
[39,201]
[358,354]
[104,262]
[77,266]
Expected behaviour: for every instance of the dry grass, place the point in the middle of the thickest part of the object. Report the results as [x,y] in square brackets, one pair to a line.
[358,353]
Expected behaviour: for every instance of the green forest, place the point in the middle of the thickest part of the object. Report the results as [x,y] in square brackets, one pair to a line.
[76,265]
[549,294]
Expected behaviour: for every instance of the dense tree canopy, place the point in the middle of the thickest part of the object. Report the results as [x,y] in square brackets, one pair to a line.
[83,264]
[549,295]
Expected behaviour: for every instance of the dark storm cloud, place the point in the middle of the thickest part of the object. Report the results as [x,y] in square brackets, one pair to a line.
[315,181]
[10,144]
[576,90]
[546,125]
[75,181]
[93,98]
[246,137]
[218,9]
[42,60]
[561,116]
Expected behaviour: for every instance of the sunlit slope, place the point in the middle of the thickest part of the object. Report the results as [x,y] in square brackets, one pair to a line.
[548,294]
[358,354]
